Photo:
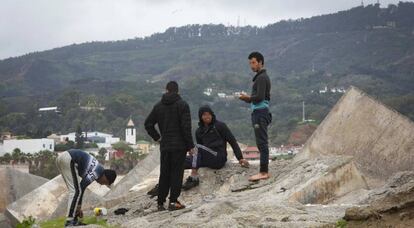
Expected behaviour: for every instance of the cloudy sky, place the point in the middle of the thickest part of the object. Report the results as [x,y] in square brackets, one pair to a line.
[36,25]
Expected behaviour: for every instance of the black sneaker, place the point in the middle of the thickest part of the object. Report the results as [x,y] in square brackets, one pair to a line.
[153,192]
[161,207]
[79,223]
[74,222]
[175,206]
[190,183]
[70,223]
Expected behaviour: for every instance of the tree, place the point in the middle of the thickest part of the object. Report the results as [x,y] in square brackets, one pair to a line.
[102,155]
[16,155]
[7,158]
[79,138]
[122,146]
[44,164]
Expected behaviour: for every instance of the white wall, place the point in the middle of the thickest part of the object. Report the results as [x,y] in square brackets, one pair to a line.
[131,136]
[28,145]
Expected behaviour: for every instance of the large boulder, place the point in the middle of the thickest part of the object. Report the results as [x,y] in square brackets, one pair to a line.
[380,139]
[50,201]
[15,184]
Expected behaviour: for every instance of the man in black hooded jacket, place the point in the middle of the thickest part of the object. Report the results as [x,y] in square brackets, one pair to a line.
[212,137]
[172,114]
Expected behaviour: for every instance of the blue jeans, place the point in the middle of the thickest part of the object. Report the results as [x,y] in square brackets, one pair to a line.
[261,118]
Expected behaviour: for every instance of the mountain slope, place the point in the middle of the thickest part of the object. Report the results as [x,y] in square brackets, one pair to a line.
[369,47]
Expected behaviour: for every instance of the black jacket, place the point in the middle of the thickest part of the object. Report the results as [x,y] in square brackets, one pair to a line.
[261,87]
[172,114]
[216,135]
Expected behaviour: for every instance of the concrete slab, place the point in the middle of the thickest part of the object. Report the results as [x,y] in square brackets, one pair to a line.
[14,184]
[48,201]
[379,138]
[135,176]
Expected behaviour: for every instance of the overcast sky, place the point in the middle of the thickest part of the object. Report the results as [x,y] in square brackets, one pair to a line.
[36,25]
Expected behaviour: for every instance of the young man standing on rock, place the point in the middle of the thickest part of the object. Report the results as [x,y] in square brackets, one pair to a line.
[212,137]
[172,115]
[261,117]
[73,164]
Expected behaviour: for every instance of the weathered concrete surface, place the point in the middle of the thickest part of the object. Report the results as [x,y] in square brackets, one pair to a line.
[389,206]
[225,198]
[49,201]
[141,170]
[337,182]
[14,184]
[380,139]
[4,222]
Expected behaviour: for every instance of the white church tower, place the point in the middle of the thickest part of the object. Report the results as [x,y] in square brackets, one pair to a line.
[131,133]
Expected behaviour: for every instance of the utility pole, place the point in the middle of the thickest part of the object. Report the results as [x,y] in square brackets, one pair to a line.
[303,111]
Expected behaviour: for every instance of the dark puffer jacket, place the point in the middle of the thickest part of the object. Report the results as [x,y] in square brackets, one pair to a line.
[216,135]
[172,114]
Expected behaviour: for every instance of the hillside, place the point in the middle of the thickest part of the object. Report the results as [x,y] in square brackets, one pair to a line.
[369,47]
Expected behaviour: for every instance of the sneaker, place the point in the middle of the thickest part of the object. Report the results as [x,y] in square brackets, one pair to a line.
[74,222]
[190,183]
[153,192]
[173,206]
[161,207]
[79,223]
[70,223]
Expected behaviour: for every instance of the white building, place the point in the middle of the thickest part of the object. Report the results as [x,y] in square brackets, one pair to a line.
[208,91]
[28,145]
[221,95]
[101,139]
[49,109]
[324,90]
[131,133]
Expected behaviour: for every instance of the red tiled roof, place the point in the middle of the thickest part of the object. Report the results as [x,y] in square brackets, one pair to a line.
[251,155]
[251,149]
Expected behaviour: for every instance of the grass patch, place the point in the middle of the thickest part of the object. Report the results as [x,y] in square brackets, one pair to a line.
[60,222]
[341,223]
[283,157]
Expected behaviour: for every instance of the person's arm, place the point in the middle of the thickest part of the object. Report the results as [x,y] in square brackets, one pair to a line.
[198,138]
[185,122]
[85,182]
[229,137]
[260,91]
[149,124]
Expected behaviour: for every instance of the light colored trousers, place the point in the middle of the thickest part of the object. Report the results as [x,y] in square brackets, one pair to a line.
[70,174]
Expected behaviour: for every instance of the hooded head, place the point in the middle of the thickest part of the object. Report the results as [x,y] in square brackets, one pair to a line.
[205,109]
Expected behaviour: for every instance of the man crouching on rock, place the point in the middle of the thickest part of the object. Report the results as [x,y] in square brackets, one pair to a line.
[73,164]
[212,137]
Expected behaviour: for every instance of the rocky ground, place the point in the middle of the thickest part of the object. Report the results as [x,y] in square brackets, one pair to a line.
[226,199]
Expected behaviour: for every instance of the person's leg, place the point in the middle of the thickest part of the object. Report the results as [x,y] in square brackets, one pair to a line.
[63,163]
[177,172]
[260,120]
[194,162]
[191,162]
[164,179]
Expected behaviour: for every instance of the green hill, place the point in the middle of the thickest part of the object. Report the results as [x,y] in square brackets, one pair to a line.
[369,47]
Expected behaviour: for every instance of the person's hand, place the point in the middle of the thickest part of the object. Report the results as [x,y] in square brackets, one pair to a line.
[244,97]
[244,163]
[192,151]
[79,212]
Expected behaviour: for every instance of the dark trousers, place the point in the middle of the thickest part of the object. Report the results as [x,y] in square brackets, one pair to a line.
[205,159]
[171,174]
[261,119]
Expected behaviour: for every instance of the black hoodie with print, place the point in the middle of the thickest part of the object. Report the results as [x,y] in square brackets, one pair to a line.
[216,135]
[172,114]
